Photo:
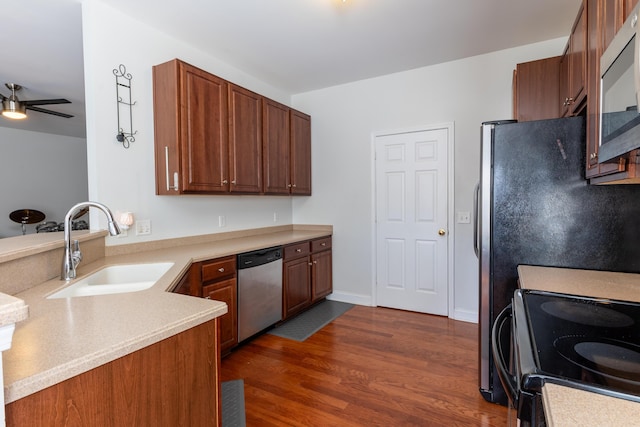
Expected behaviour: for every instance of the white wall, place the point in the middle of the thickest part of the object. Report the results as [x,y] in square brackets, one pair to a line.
[40,171]
[466,92]
[344,117]
[124,179]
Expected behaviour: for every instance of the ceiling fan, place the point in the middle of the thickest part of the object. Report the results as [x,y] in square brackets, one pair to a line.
[13,108]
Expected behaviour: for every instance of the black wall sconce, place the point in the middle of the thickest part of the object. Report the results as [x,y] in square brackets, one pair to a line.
[123,83]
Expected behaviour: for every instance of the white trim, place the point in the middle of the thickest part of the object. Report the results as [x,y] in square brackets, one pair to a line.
[450,126]
[351,298]
[465,315]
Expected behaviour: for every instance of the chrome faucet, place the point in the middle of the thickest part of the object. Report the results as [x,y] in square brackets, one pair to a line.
[72,254]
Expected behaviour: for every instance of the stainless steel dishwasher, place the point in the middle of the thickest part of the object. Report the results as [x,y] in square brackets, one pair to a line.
[259,291]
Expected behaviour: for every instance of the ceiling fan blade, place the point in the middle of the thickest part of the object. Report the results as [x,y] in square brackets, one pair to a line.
[42,110]
[46,101]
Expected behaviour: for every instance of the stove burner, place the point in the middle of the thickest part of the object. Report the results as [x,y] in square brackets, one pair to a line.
[587,314]
[609,358]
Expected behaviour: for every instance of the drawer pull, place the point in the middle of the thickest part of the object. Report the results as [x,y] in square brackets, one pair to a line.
[311,264]
[221,269]
[207,297]
[323,244]
[298,250]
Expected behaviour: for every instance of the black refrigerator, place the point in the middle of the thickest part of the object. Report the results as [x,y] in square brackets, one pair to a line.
[533,206]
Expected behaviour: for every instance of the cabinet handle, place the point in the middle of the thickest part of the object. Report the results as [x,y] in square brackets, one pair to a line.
[311,264]
[288,185]
[315,262]
[224,181]
[323,244]
[233,182]
[207,297]
[294,186]
[221,269]
[166,169]
[298,250]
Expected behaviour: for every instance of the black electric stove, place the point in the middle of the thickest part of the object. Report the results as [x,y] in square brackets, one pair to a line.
[586,343]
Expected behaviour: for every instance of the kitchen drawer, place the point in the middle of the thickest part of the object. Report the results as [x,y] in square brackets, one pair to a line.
[321,244]
[296,250]
[218,269]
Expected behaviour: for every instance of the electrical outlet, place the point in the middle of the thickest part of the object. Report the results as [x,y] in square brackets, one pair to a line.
[143,227]
[464,217]
[222,221]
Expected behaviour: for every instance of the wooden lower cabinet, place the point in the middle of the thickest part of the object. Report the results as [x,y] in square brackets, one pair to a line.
[321,275]
[307,275]
[295,280]
[226,291]
[174,382]
[216,280]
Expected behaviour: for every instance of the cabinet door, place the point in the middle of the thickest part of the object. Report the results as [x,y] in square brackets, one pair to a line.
[203,131]
[537,89]
[297,289]
[225,291]
[245,140]
[275,147]
[321,274]
[577,60]
[300,153]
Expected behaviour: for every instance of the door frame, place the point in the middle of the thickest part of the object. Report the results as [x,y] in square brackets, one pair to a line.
[449,126]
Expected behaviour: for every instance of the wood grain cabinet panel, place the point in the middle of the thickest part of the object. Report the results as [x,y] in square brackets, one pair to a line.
[276,156]
[174,382]
[300,153]
[536,89]
[321,275]
[297,286]
[245,140]
[226,291]
[190,124]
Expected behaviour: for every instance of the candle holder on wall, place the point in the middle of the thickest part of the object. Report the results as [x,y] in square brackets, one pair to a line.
[123,82]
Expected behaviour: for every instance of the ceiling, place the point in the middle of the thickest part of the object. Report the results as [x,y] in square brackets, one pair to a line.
[294,45]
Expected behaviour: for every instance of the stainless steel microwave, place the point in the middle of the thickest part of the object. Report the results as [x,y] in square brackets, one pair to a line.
[619,91]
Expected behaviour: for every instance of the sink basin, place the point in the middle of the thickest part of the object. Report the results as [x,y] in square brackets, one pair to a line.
[116,279]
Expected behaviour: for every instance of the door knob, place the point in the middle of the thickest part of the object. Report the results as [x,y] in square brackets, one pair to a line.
[442,232]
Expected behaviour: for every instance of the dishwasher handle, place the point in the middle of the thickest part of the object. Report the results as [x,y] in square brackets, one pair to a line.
[259,257]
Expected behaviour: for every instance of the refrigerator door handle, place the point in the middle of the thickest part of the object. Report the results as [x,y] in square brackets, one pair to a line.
[476,218]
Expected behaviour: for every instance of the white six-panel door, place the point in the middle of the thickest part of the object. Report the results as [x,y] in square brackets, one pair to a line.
[411,220]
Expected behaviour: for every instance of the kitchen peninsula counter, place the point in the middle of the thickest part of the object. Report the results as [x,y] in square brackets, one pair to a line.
[565,406]
[62,338]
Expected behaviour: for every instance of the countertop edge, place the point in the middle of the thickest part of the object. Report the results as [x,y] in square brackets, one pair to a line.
[34,383]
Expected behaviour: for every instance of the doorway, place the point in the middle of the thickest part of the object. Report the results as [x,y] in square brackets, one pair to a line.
[413,183]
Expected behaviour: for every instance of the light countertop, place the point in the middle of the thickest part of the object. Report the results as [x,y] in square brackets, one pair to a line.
[565,406]
[65,337]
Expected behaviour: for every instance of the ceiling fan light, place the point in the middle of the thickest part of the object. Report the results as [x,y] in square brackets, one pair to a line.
[13,109]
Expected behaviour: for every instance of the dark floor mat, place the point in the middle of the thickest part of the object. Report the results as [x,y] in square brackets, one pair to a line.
[233,404]
[311,321]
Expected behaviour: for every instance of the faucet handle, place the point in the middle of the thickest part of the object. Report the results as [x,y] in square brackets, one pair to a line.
[76,255]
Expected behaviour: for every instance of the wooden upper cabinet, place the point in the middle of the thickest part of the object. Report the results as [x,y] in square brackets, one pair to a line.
[276,156]
[629,5]
[245,140]
[190,124]
[573,68]
[536,88]
[300,153]
[215,137]
[612,18]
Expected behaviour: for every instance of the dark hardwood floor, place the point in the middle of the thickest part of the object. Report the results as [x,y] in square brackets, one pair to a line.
[370,367]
